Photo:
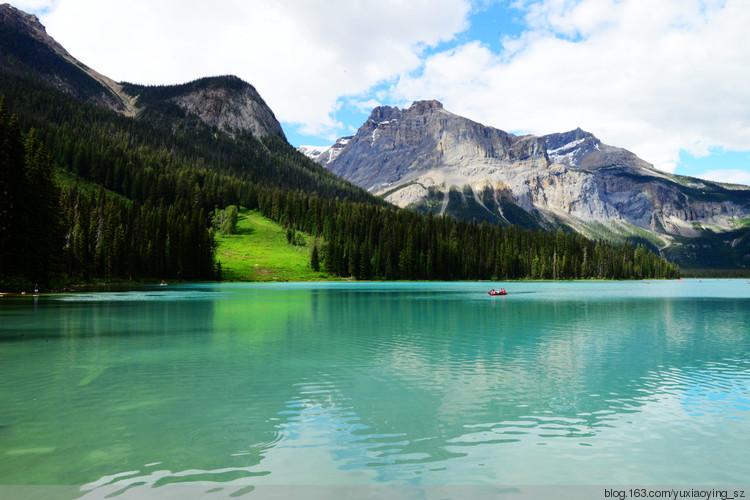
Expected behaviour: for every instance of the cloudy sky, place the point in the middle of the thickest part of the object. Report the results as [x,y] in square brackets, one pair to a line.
[666,79]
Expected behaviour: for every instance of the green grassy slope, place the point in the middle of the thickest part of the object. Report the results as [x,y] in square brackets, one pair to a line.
[258,250]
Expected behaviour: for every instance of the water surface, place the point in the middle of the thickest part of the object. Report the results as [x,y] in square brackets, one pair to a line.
[377,383]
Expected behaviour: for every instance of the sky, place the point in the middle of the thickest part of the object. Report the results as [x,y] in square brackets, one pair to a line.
[665,79]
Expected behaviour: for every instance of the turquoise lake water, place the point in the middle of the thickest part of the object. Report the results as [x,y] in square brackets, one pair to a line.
[121,391]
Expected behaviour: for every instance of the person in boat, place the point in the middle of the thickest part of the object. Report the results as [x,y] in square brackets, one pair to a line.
[493,291]
[502,290]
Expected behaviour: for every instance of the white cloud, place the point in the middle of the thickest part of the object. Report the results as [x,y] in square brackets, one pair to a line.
[731,176]
[301,55]
[653,77]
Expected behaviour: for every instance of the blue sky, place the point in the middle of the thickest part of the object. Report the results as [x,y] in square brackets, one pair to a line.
[666,80]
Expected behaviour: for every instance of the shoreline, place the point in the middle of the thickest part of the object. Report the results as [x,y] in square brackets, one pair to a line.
[74,288]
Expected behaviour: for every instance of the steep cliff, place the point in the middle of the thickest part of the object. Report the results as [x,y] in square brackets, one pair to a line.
[225,102]
[397,146]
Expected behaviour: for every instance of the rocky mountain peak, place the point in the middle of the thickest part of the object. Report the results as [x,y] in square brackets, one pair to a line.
[325,155]
[559,140]
[383,113]
[579,149]
[395,146]
[571,148]
[422,107]
[230,104]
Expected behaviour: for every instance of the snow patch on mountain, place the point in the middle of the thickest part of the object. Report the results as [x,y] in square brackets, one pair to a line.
[324,155]
[313,152]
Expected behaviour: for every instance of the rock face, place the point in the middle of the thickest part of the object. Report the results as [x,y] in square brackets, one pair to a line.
[429,159]
[233,111]
[225,102]
[396,146]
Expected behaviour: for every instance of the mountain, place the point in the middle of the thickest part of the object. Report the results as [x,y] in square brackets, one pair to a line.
[28,49]
[226,103]
[220,123]
[431,160]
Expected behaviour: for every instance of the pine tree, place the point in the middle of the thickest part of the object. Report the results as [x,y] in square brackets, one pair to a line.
[45,236]
[315,258]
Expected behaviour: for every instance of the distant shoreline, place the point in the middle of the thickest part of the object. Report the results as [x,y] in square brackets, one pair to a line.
[75,287]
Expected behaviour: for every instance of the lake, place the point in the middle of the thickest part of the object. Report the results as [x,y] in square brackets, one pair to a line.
[230,388]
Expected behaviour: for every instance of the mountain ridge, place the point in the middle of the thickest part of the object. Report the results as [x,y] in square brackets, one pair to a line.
[431,160]
[232,108]
[111,94]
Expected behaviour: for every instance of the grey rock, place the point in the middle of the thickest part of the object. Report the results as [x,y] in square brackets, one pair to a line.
[230,108]
[395,144]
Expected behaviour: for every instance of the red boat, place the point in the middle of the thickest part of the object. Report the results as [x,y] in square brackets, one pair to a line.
[497,292]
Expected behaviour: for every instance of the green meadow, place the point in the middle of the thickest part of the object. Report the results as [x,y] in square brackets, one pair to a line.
[258,250]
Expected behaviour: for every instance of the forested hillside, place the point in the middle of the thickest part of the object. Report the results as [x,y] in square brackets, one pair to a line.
[367,241]
[55,231]
[134,156]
